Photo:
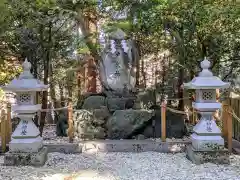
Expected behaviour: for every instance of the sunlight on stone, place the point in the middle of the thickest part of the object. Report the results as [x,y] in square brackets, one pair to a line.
[55,177]
[83,175]
[175,148]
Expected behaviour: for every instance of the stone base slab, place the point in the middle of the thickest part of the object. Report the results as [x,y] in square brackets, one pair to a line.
[134,146]
[32,159]
[119,146]
[215,156]
[66,148]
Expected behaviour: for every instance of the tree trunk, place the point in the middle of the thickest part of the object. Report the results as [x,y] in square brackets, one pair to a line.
[181,57]
[70,90]
[180,88]
[91,67]
[79,79]
[44,102]
[62,98]
[88,25]
[53,96]
[91,76]
[137,63]
[52,90]
[47,60]
[143,74]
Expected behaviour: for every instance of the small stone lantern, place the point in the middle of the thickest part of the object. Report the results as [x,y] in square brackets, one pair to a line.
[26,138]
[207,135]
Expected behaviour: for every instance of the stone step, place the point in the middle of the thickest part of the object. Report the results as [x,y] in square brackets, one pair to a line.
[236,146]
[236,150]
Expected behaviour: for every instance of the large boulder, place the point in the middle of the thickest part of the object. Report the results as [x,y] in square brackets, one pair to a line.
[115,103]
[175,126]
[83,97]
[145,99]
[62,123]
[94,102]
[123,123]
[90,124]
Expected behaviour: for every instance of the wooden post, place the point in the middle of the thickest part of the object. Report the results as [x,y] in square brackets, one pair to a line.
[39,117]
[70,121]
[163,121]
[229,131]
[3,130]
[215,114]
[193,116]
[8,124]
[225,114]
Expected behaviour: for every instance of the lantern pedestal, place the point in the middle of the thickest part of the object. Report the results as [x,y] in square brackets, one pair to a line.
[198,157]
[26,159]
[207,135]
[206,143]
[26,137]
[26,146]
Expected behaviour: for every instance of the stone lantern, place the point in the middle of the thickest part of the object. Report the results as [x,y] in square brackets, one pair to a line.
[207,135]
[26,139]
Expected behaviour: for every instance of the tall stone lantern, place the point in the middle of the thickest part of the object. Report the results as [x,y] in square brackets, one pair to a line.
[207,135]
[26,140]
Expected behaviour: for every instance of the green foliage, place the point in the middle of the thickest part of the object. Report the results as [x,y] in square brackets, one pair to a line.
[196,29]
[8,71]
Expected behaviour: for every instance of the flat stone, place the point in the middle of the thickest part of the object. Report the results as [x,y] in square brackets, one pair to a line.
[126,146]
[24,159]
[198,157]
[236,146]
[171,147]
[66,148]
[134,146]
[207,143]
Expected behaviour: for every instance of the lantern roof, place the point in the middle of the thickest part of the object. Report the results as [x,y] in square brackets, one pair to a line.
[205,79]
[25,82]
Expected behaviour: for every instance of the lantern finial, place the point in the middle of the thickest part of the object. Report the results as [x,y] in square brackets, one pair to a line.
[205,65]
[26,65]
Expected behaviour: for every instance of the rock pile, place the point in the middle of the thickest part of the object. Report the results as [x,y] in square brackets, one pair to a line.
[102,117]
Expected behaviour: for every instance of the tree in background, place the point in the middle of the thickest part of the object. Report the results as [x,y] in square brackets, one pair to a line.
[190,30]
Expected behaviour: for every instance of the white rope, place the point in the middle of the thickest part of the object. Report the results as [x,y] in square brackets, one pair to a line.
[234,115]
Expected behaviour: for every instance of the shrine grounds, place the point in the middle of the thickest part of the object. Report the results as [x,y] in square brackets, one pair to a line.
[119,166]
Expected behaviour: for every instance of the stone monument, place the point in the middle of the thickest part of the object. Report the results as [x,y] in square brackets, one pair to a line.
[207,143]
[117,68]
[26,145]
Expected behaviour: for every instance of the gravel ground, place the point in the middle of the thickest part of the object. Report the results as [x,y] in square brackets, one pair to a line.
[122,166]
[50,137]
